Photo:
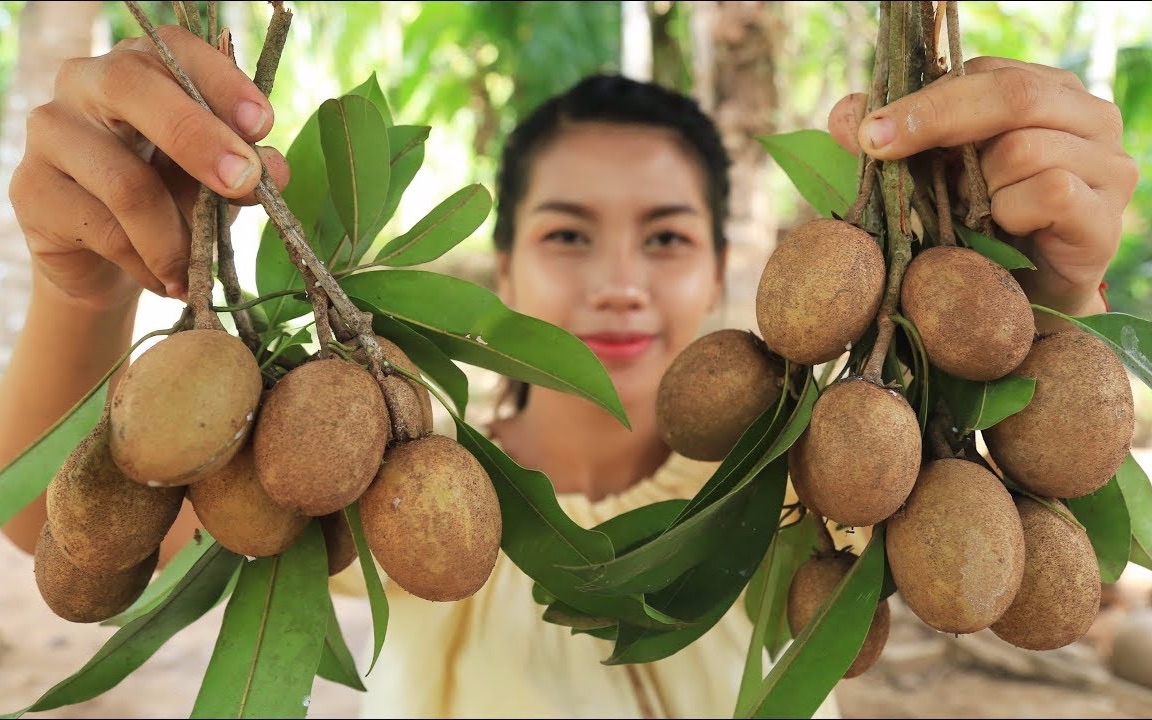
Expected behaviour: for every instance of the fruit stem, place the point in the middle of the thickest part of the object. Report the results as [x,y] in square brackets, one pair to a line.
[938,433]
[896,184]
[873,210]
[946,233]
[867,181]
[200,261]
[316,276]
[979,209]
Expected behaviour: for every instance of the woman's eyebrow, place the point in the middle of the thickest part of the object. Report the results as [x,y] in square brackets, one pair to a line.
[582,211]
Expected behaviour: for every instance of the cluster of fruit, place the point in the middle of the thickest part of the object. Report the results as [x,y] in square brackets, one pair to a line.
[192,418]
[965,552]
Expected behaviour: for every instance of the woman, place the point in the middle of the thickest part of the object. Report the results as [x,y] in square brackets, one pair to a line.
[608,225]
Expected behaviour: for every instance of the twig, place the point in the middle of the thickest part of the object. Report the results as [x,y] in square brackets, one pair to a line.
[274,40]
[873,216]
[867,182]
[939,427]
[226,269]
[823,537]
[896,183]
[947,235]
[316,276]
[979,216]
[213,22]
[200,262]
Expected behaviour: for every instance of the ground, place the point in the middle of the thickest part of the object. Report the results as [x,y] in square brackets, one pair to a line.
[921,673]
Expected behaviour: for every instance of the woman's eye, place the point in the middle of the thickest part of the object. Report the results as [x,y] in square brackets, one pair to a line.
[668,239]
[565,237]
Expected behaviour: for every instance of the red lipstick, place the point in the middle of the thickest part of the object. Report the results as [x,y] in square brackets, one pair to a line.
[618,346]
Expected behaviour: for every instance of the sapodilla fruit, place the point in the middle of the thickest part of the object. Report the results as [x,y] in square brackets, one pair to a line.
[321,436]
[956,548]
[338,541]
[974,318]
[814,581]
[86,596]
[409,403]
[713,390]
[819,290]
[1077,430]
[101,520]
[238,512]
[862,452]
[432,519]
[185,407]
[1059,597]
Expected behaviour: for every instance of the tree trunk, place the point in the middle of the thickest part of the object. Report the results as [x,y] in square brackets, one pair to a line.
[737,45]
[50,32]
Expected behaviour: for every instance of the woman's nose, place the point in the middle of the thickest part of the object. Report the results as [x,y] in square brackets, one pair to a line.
[620,283]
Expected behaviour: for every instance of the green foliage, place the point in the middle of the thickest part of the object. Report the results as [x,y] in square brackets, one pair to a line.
[1104,516]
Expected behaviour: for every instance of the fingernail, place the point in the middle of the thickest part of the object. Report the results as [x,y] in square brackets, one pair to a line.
[250,118]
[234,170]
[880,131]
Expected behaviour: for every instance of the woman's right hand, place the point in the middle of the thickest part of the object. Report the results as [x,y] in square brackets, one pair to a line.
[113,164]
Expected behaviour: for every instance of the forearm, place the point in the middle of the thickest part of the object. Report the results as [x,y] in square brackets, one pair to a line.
[61,353]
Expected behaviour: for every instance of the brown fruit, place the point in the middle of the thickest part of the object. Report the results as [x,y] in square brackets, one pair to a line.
[798,473]
[338,541]
[321,436]
[1059,597]
[819,290]
[1077,429]
[409,403]
[713,390]
[862,452]
[85,596]
[974,318]
[238,512]
[184,407]
[432,519]
[812,583]
[956,549]
[102,520]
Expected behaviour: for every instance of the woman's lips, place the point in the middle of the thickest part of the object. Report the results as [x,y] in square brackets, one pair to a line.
[618,346]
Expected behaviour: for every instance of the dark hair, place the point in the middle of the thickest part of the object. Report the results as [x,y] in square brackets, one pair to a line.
[614,99]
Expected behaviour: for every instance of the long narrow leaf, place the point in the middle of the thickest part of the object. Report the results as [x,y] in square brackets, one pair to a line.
[433,363]
[168,579]
[270,642]
[444,227]
[1137,490]
[137,641]
[377,598]
[336,661]
[1105,516]
[355,143]
[980,405]
[823,172]
[406,143]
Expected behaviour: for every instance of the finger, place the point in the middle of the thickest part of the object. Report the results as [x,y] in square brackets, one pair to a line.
[845,118]
[127,186]
[1069,225]
[185,189]
[133,87]
[1019,154]
[88,225]
[985,63]
[977,107]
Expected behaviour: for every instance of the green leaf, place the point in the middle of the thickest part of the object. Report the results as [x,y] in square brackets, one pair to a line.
[336,662]
[270,642]
[445,226]
[1140,556]
[995,250]
[823,172]
[377,599]
[539,537]
[1137,490]
[308,197]
[706,591]
[980,405]
[471,324]
[26,477]
[406,143]
[355,143]
[659,563]
[1105,516]
[169,578]
[1129,337]
[824,650]
[433,363]
[766,600]
[137,641]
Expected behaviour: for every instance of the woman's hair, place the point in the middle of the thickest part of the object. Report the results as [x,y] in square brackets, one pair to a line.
[614,99]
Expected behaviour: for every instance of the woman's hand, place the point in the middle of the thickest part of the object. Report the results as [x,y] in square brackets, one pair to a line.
[1050,153]
[113,162]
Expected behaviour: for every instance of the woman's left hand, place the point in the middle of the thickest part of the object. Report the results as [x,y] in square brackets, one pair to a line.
[1050,153]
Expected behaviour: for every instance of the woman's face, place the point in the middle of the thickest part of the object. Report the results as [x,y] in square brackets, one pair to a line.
[613,243]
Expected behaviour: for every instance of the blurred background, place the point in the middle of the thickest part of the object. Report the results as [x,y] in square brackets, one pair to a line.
[470,70]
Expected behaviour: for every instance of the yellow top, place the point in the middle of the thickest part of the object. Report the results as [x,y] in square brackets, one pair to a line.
[491,655]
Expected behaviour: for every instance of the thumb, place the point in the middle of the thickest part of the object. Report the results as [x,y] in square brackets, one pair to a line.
[845,118]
